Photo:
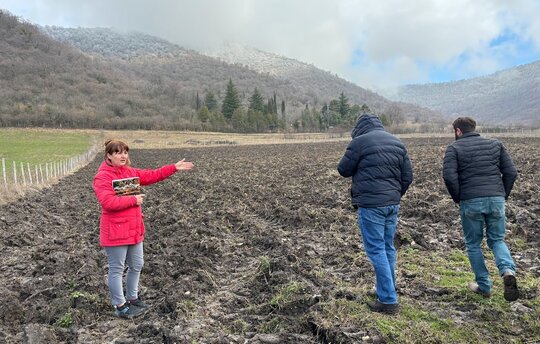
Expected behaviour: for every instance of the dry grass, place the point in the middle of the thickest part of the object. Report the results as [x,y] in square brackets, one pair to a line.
[183,139]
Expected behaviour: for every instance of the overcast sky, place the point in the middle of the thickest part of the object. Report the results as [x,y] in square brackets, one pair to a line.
[374,43]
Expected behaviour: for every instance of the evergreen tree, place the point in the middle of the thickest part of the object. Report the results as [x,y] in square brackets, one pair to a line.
[334,106]
[269,106]
[210,101]
[274,123]
[239,121]
[308,120]
[344,106]
[384,120]
[231,102]
[353,115]
[365,109]
[198,102]
[283,119]
[296,124]
[256,101]
[325,117]
[258,122]
[204,114]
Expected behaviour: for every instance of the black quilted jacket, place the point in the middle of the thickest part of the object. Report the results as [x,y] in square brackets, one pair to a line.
[378,163]
[475,166]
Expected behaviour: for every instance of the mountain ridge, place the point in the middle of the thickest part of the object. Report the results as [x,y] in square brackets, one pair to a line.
[509,97]
[314,88]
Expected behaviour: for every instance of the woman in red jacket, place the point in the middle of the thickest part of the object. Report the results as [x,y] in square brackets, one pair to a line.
[121,230]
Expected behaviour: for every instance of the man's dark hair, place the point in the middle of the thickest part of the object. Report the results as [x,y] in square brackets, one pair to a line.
[465,124]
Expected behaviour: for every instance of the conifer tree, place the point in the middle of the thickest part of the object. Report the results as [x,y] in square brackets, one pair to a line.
[198,102]
[231,102]
[269,106]
[204,114]
[365,109]
[256,101]
[344,106]
[210,101]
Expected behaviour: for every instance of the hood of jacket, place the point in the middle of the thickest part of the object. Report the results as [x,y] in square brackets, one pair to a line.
[366,123]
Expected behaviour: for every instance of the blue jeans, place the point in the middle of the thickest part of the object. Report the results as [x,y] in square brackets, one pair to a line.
[474,214]
[378,227]
[117,256]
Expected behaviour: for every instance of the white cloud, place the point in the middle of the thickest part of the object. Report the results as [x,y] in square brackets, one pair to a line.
[397,39]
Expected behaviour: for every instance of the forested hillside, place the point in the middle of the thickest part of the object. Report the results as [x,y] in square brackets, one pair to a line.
[506,98]
[47,83]
[104,79]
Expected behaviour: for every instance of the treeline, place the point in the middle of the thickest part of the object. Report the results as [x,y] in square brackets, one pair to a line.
[264,116]
[339,113]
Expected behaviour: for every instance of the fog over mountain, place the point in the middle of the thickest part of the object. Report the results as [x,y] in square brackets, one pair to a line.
[261,61]
[507,98]
[102,75]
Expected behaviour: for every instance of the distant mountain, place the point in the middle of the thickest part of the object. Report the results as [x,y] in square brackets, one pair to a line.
[110,43]
[307,75]
[102,78]
[508,97]
[296,82]
[262,61]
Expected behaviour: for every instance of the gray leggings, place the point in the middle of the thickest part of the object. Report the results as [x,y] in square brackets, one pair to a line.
[117,256]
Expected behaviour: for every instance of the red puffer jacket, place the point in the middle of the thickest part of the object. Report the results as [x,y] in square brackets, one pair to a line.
[121,218]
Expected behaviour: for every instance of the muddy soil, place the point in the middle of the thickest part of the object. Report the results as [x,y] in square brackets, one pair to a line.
[242,249]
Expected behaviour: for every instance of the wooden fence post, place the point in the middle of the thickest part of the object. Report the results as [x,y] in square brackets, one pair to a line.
[41,171]
[23,176]
[4,172]
[15,174]
[53,171]
[29,173]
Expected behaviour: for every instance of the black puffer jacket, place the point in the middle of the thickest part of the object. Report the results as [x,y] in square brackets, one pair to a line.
[475,166]
[378,163]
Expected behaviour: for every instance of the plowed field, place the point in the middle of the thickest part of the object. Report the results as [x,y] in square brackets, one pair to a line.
[259,244]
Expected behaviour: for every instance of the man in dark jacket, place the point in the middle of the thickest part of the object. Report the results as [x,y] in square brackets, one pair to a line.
[479,175]
[381,173]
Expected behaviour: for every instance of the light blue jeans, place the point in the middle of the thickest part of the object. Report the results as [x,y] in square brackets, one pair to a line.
[377,228]
[474,214]
[117,256]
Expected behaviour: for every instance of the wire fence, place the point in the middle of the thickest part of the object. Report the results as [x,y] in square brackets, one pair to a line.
[19,176]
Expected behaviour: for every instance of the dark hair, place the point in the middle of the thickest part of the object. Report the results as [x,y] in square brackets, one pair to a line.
[465,124]
[115,146]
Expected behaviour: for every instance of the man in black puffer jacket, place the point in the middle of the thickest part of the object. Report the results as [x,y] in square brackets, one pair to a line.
[479,175]
[381,173]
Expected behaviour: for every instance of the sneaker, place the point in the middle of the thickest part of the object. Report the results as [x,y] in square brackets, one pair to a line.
[473,286]
[376,306]
[128,312]
[137,303]
[511,292]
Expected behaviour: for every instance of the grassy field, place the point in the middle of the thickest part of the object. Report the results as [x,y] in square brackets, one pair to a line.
[38,146]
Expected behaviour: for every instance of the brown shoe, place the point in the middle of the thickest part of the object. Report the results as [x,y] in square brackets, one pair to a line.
[473,286]
[511,292]
[385,308]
